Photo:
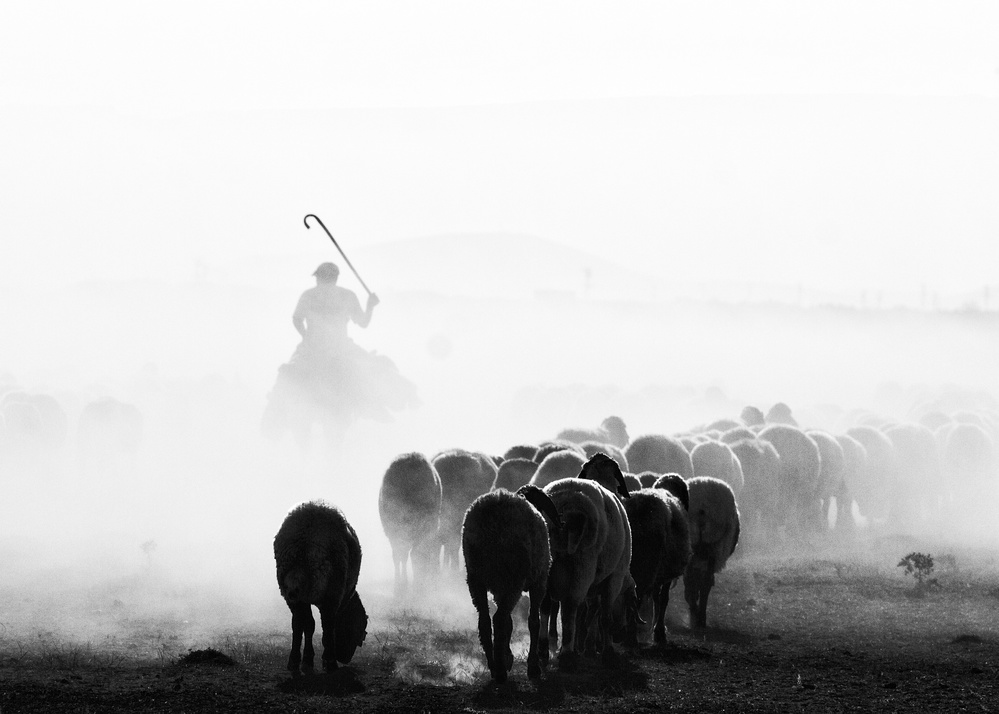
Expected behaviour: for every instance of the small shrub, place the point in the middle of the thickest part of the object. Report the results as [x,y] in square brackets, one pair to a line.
[920,567]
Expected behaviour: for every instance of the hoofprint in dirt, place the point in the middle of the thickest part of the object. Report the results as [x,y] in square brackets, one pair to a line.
[835,632]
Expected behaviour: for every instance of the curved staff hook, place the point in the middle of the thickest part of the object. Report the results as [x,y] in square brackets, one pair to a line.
[313,215]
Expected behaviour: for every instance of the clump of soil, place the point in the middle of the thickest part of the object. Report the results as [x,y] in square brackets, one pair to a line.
[208,656]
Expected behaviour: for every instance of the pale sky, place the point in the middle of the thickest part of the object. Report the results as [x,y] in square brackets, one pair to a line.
[143,139]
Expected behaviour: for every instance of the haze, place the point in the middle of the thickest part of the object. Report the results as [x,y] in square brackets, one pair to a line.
[568,211]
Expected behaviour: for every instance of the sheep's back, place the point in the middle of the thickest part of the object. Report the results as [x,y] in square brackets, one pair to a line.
[713,519]
[409,501]
[317,553]
[659,453]
[504,540]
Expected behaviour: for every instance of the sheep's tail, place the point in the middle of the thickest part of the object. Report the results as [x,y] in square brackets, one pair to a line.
[542,501]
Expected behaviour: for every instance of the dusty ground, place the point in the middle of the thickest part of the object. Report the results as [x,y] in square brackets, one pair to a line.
[827,632]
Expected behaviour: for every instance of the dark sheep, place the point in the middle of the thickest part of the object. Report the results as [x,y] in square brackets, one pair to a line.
[660,553]
[318,560]
[595,447]
[676,485]
[505,542]
[713,520]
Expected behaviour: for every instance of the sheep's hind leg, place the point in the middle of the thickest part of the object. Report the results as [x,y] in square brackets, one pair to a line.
[567,657]
[480,600]
[502,633]
[542,632]
[661,603]
[533,627]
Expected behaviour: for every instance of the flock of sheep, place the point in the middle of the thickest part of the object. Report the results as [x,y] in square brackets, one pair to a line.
[598,527]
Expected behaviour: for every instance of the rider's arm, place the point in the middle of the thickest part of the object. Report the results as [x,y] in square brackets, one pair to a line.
[363,318]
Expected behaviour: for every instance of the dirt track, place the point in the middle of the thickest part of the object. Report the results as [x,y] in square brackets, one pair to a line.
[819,634]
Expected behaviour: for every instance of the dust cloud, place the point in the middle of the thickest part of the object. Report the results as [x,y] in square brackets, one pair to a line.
[177,527]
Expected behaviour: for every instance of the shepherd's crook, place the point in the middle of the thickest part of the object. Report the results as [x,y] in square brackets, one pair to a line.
[313,215]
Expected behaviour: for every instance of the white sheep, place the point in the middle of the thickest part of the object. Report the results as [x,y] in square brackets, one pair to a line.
[713,458]
[590,557]
[612,430]
[318,559]
[409,505]
[514,473]
[800,470]
[713,519]
[505,543]
[557,465]
[832,465]
[660,453]
[878,475]
[465,475]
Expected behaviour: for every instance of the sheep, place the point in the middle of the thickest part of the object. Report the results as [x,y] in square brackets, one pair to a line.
[632,482]
[660,453]
[660,553]
[758,498]
[648,479]
[713,519]
[590,448]
[505,543]
[780,413]
[605,471]
[737,434]
[854,458]
[969,457]
[612,431]
[318,559]
[464,476]
[676,485]
[875,483]
[520,451]
[917,469]
[557,465]
[514,473]
[713,458]
[550,447]
[752,416]
[409,505]
[590,556]
[108,434]
[800,469]
[832,463]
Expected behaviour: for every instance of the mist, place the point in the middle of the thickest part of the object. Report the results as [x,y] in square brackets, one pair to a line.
[664,231]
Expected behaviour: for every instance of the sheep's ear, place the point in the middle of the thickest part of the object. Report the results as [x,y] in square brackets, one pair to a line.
[351,628]
[542,501]
[622,485]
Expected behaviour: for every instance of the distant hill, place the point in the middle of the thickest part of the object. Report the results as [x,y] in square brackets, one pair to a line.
[490,265]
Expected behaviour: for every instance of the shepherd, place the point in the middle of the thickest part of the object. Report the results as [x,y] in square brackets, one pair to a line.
[330,379]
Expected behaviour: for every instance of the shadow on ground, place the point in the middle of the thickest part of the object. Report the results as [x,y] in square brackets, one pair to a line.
[587,678]
[337,684]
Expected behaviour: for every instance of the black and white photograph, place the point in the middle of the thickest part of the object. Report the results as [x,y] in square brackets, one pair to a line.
[490,357]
